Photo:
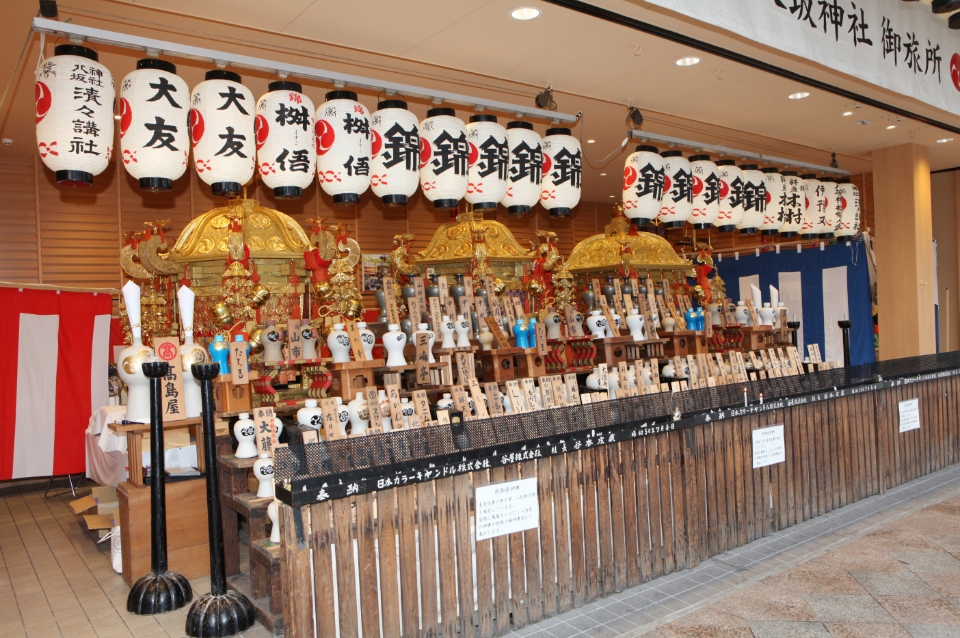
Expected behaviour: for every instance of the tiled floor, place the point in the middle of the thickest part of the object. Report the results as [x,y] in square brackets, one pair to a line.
[885,566]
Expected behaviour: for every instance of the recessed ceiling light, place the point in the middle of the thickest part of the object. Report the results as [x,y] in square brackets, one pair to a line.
[525,13]
[798,96]
[945,140]
[612,196]
[863,122]
[688,61]
[846,113]
[891,127]
[591,141]
[603,174]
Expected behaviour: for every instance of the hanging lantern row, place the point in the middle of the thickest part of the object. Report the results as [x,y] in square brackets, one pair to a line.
[722,195]
[284,139]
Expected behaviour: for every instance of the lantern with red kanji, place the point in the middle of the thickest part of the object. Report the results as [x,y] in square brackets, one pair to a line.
[489,162]
[395,167]
[286,157]
[562,172]
[444,158]
[344,147]
[526,168]
[643,185]
[222,111]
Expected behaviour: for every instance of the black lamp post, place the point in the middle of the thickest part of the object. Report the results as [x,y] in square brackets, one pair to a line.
[845,326]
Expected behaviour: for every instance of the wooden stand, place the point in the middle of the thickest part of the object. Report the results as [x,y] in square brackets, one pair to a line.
[649,349]
[757,338]
[612,350]
[352,377]
[230,397]
[680,343]
[498,364]
[531,364]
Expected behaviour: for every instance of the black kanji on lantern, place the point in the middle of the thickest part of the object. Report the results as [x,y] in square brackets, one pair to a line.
[568,167]
[711,189]
[233,143]
[754,197]
[86,127]
[359,166]
[527,163]
[736,193]
[162,134]
[232,97]
[296,162]
[293,116]
[87,94]
[650,181]
[451,152]
[494,158]
[79,146]
[356,125]
[400,145]
[164,89]
[682,187]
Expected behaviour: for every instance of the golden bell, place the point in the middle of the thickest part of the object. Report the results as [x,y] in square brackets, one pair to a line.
[322,290]
[222,314]
[498,285]
[535,287]
[353,309]
[255,346]
[260,295]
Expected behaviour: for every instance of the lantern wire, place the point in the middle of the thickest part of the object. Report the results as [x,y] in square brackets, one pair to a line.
[13,74]
[602,161]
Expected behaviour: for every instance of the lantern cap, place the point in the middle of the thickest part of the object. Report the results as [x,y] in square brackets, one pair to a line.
[809,176]
[726,162]
[647,148]
[788,234]
[809,236]
[340,94]
[156,184]
[154,63]
[560,130]
[769,231]
[520,124]
[226,189]
[346,199]
[673,224]
[748,167]
[560,211]
[446,204]
[825,235]
[703,226]
[844,180]
[789,173]
[483,117]
[285,85]
[519,210]
[752,230]
[770,169]
[221,74]
[287,192]
[728,228]
[699,158]
[485,206]
[74,178]
[828,179]
[441,110]
[671,154]
[391,104]
[77,50]
[394,200]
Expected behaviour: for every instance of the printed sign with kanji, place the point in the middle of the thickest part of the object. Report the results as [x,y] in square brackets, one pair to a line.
[171,386]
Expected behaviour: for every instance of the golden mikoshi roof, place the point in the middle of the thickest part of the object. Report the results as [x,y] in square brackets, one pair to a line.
[604,251]
[454,242]
[267,232]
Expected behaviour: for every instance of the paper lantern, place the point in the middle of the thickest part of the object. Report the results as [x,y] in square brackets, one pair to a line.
[643,182]
[395,144]
[731,196]
[754,200]
[286,156]
[74,112]
[489,162]
[773,213]
[222,130]
[706,191]
[344,147]
[562,172]
[525,170]
[830,212]
[813,207]
[444,158]
[794,195]
[677,203]
[849,223]
[154,115]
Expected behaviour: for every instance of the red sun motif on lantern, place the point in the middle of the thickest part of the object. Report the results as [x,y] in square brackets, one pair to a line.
[325,136]
[955,70]
[473,155]
[768,197]
[262,129]
[806,202]
[547,164]
[629,177]
[666,183]
[697,185]
[376,143]
[126,116]
[724,189]
[196,126]
[843,203]
[425,151]
[44,99]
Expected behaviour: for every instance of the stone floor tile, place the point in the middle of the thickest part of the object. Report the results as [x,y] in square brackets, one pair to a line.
[934,562]
[767,604]
[931,631]
[816,579]
[918,610]
[865,630]
[847,608]
[894,583]
[782,629]
[947,585]
[563,630]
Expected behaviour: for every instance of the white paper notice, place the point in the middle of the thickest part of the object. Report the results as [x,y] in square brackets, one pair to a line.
[505,508]
[768,446]
[909,415]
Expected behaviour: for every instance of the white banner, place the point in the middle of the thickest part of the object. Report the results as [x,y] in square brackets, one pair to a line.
[900,46]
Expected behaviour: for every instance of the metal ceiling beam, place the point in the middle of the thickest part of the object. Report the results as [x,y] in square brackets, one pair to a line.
[158,47]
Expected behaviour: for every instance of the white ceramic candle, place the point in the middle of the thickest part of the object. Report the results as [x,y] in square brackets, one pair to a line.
[245,431]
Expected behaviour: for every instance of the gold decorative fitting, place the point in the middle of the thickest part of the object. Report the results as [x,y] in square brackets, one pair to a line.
[455,241]
[604,252]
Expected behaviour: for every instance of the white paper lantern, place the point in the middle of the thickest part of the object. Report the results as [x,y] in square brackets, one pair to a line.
[773,213]
[794,196]
[444,158]
[849,223]
[830,212]
[813,207]
[643,182]
[154,135]
[706,191]
[395,144]
[222,111]
[344,147]
[286,154]
[732,186]
[677,203]
[74,112]
[562,172]
[754,199]
[489,162]
[526,168]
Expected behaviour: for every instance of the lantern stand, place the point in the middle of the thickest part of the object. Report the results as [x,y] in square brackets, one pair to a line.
[161,590]
[794,325]
[845,325]
[221,612]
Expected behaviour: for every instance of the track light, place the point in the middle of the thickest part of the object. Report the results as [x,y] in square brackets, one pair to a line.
[48,9]
[544,99]
[634,118]
[945,6]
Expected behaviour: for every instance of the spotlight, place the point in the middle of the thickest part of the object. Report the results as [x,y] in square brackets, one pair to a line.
[544,99]
[634,118]
[945,6]
[48,9]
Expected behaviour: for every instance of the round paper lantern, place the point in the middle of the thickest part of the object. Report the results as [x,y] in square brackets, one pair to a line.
[286,156]
[731,196]
[395,167]
[222,131]
[525,170]
[754,199]
[643,182]
[677,204]
[773,213]
[813,207]
[706,191]
[830,201]
[74,113]
[444,158]
[344,147]
[794,195]
[154,111]
[489,162]
[849,223]
[562,172]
